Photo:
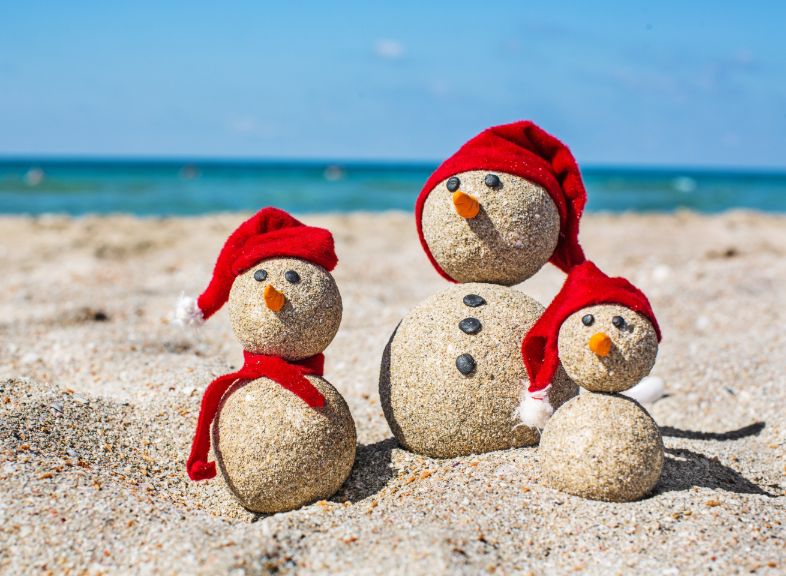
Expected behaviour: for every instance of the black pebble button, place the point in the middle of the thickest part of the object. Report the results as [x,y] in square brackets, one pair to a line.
[470,325]
[453,184]
[292,276]
[465,364]
[260,275]
[473,300]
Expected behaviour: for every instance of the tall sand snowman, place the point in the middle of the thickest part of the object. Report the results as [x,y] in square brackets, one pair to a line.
[281,434]
[599,445]
[491,216]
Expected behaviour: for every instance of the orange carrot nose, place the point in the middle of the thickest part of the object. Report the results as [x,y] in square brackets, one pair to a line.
[466,206]
[600,344]
[274,299]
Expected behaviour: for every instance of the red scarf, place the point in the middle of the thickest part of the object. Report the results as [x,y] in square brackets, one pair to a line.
[290,375]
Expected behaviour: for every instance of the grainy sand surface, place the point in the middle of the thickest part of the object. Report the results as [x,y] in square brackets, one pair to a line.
[99,393]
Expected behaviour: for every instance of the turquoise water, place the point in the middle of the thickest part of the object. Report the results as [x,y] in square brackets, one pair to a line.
[170,187]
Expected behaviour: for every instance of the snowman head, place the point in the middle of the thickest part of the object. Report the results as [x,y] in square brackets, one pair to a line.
[484,226]
[275,273]
[607,348]
[285,307]
[506,203]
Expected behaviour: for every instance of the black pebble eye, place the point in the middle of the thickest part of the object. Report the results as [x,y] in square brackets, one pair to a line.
[453,184]
[588,320]
[492,181]
[292,276]
[619,322]
[260,275]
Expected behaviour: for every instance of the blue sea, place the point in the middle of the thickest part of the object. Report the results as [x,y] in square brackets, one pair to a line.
[160,188]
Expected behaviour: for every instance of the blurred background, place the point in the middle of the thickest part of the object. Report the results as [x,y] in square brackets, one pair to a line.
[192,107]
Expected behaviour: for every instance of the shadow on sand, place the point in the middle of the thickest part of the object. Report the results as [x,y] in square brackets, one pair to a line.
[371,472]
[750,430]
[683,469]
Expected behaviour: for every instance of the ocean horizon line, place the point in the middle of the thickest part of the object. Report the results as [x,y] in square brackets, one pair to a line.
[182,186]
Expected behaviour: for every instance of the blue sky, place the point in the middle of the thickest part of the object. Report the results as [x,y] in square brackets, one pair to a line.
[655,83]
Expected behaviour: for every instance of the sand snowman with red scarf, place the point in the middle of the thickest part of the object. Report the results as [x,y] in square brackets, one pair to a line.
[281,434]
[491,216]
[603,333]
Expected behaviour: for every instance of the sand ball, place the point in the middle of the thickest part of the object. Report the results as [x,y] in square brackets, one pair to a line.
[309,315]
[452,373]
[603,447]
[512,236]
[633,347]
[275,452]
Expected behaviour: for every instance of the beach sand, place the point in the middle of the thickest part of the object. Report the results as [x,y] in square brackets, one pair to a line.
[99,394]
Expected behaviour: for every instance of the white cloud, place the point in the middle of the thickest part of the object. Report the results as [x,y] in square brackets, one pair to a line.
[251,127]
[438,88]
[388,49]
[743,57]
[245,125]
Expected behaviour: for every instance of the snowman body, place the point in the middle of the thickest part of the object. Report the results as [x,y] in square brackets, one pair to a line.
[602,447]
[452,373]
[275,452]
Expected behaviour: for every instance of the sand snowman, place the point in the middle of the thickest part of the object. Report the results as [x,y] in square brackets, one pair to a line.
[281,434]
[599,445]
[490,216]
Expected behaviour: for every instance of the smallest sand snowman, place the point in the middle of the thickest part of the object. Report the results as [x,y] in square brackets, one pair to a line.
[282,435]
[599,445]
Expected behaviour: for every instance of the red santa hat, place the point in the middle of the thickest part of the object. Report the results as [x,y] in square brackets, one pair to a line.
[586,285]
[525,150]
[270,233]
